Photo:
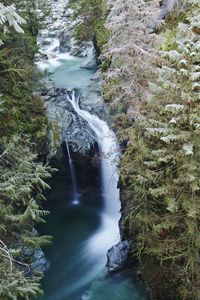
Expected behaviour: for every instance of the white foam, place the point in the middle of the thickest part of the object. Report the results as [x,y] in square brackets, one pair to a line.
[104,238]
[108,233]
[54,57]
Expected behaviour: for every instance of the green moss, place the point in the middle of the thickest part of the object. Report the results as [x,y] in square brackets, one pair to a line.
[170,29]
[168,41]
[106,64]
[101,33]
[56,134]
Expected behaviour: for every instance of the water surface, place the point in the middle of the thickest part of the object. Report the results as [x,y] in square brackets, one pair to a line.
[75,271]
[83,233]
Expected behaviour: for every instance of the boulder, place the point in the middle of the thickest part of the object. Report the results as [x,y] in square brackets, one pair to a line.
[34,258]
[46,41]
[40,263]
[90,62]
[40,56]
[65,123]
[117,256]
[85,49]
[69,44]
[66,40]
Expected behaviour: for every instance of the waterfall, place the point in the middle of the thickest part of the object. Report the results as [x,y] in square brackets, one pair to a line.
[75,200]
[108,234]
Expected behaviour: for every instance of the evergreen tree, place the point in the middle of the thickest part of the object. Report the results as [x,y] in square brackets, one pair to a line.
[21,186]
[90,16]
[9,18]
[127,54]
[22,177]
[162,170]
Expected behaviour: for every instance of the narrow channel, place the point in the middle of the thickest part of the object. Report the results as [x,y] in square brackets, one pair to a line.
[83,216]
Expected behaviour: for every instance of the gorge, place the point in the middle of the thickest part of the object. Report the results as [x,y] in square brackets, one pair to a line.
[84,218]
[99,149]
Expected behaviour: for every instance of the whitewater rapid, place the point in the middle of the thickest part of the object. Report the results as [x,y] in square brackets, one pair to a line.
[108,233]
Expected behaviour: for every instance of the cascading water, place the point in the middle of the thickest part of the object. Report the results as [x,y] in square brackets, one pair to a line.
[108,234]
[82,233]
[75,200]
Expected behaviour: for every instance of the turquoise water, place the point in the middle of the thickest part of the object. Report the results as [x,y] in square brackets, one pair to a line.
[74,77]
[73,273]
[118,287]
[66,70]
[76,268]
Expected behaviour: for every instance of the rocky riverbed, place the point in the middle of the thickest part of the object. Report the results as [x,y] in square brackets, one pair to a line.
[57,46]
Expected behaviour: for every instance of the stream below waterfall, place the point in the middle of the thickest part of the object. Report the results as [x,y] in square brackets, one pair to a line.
[83,217]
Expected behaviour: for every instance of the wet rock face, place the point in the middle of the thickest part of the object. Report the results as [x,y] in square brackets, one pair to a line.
[66,40]
[117,256]
[65,123]
[68,43]
[91,60]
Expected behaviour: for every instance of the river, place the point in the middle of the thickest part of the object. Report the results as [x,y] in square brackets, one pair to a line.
[83,216]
